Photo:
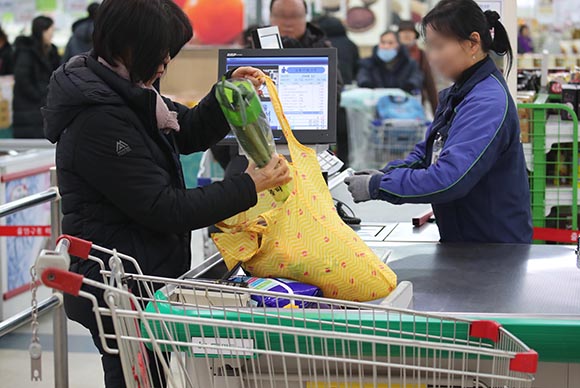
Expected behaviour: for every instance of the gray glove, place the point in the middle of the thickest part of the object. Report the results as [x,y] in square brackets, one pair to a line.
[370,172]
[359,187]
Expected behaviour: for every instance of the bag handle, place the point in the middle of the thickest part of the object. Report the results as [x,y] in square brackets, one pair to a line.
[293,143]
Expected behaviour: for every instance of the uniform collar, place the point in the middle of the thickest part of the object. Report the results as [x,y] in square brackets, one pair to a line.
[475,74]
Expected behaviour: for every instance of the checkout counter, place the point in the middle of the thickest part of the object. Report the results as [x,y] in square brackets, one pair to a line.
[533,290]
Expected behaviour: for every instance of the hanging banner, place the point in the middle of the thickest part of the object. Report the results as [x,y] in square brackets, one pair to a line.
[24,11]
[6,7]
[76,6]
[46,5]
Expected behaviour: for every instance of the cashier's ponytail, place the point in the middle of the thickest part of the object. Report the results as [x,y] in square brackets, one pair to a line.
[461,18]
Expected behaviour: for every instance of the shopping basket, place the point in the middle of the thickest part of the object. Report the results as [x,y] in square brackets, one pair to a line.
[195,333]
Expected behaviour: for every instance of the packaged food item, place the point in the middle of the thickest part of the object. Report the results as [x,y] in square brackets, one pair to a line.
[282,286]
[243,111]
[570,98]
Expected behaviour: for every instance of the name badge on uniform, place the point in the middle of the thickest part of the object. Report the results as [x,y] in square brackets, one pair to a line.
[437,148]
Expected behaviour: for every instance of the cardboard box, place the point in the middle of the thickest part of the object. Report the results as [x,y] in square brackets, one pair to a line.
[525,125]
[5,121]
[525,115]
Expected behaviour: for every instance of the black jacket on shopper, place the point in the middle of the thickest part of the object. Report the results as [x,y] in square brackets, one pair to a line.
[401,73]
[348,53]
[120,177]
[6,59]
[32,71]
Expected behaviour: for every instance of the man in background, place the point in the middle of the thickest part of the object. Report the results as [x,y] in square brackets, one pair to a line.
[290,18]
[408,36]
[81,40]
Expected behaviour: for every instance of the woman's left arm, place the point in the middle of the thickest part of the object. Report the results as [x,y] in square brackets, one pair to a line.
[204,125]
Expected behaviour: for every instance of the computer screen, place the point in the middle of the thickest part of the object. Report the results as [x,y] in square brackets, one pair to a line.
[306,82]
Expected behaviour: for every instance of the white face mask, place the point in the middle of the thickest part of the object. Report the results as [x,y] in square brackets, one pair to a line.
[387,55]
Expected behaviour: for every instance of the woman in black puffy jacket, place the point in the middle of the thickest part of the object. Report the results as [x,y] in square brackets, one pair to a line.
[118,151]
[35,59]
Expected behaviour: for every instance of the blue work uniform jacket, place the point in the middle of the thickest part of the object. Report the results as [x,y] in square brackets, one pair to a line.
[470,166]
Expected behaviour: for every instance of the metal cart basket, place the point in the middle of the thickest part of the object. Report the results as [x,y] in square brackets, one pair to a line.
[195,333]
[374,143]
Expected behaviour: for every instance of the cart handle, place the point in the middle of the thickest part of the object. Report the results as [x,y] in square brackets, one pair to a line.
[78,247]
[65,281]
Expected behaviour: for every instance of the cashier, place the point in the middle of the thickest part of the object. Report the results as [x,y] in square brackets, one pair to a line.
[119,144]
[471,165]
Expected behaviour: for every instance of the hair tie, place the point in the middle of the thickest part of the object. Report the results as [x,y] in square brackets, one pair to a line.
[492,18]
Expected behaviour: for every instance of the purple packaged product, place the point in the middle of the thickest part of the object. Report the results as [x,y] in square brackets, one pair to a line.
[282,286]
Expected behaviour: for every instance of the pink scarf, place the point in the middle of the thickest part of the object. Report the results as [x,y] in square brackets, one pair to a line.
[166,118]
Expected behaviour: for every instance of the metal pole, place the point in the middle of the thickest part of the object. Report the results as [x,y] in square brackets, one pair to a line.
[28,202]
[59,322]
[25,317]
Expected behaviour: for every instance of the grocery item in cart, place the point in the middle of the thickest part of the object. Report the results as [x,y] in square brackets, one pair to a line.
[283,286]
[399,107]
[243,110]
[303,238]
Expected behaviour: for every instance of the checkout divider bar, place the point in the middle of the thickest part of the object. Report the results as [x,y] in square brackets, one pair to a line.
[54,303]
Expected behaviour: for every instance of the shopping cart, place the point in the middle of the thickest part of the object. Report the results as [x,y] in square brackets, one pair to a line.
[374,143]
[196,333]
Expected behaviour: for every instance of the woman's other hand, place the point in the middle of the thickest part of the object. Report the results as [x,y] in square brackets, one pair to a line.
[250,73]
[275,173]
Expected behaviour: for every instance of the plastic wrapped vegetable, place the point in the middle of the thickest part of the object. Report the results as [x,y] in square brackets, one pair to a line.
[243,110]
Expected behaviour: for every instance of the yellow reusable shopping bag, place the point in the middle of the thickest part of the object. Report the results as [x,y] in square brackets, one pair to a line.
[303,238]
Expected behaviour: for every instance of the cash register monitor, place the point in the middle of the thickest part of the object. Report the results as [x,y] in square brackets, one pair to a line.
[306,82]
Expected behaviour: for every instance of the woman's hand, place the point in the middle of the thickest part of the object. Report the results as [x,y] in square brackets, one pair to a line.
[250,73]
[275,173]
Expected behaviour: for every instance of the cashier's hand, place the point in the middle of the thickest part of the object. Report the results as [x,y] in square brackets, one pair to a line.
[359,187]
[274,174]
[250,73]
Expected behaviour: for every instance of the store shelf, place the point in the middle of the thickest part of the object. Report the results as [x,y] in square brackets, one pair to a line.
[557,131]
[556,196]
[528,156]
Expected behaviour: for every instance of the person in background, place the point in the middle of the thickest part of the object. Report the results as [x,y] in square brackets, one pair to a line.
[290,18]
[471,166]
[35,59]
[6,60]
[81,40]
[348,53]
[390,67]
[525,44]
[408,36]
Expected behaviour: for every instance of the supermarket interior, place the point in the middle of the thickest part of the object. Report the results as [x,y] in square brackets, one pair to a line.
[289,193]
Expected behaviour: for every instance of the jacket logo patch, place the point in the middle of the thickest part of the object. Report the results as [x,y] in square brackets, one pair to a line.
[122,148]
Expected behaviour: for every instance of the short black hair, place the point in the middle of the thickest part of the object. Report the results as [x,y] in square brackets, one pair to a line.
[303,1]
[389,32]
[523,27]
[460,18]
[141,34]
[39,25]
